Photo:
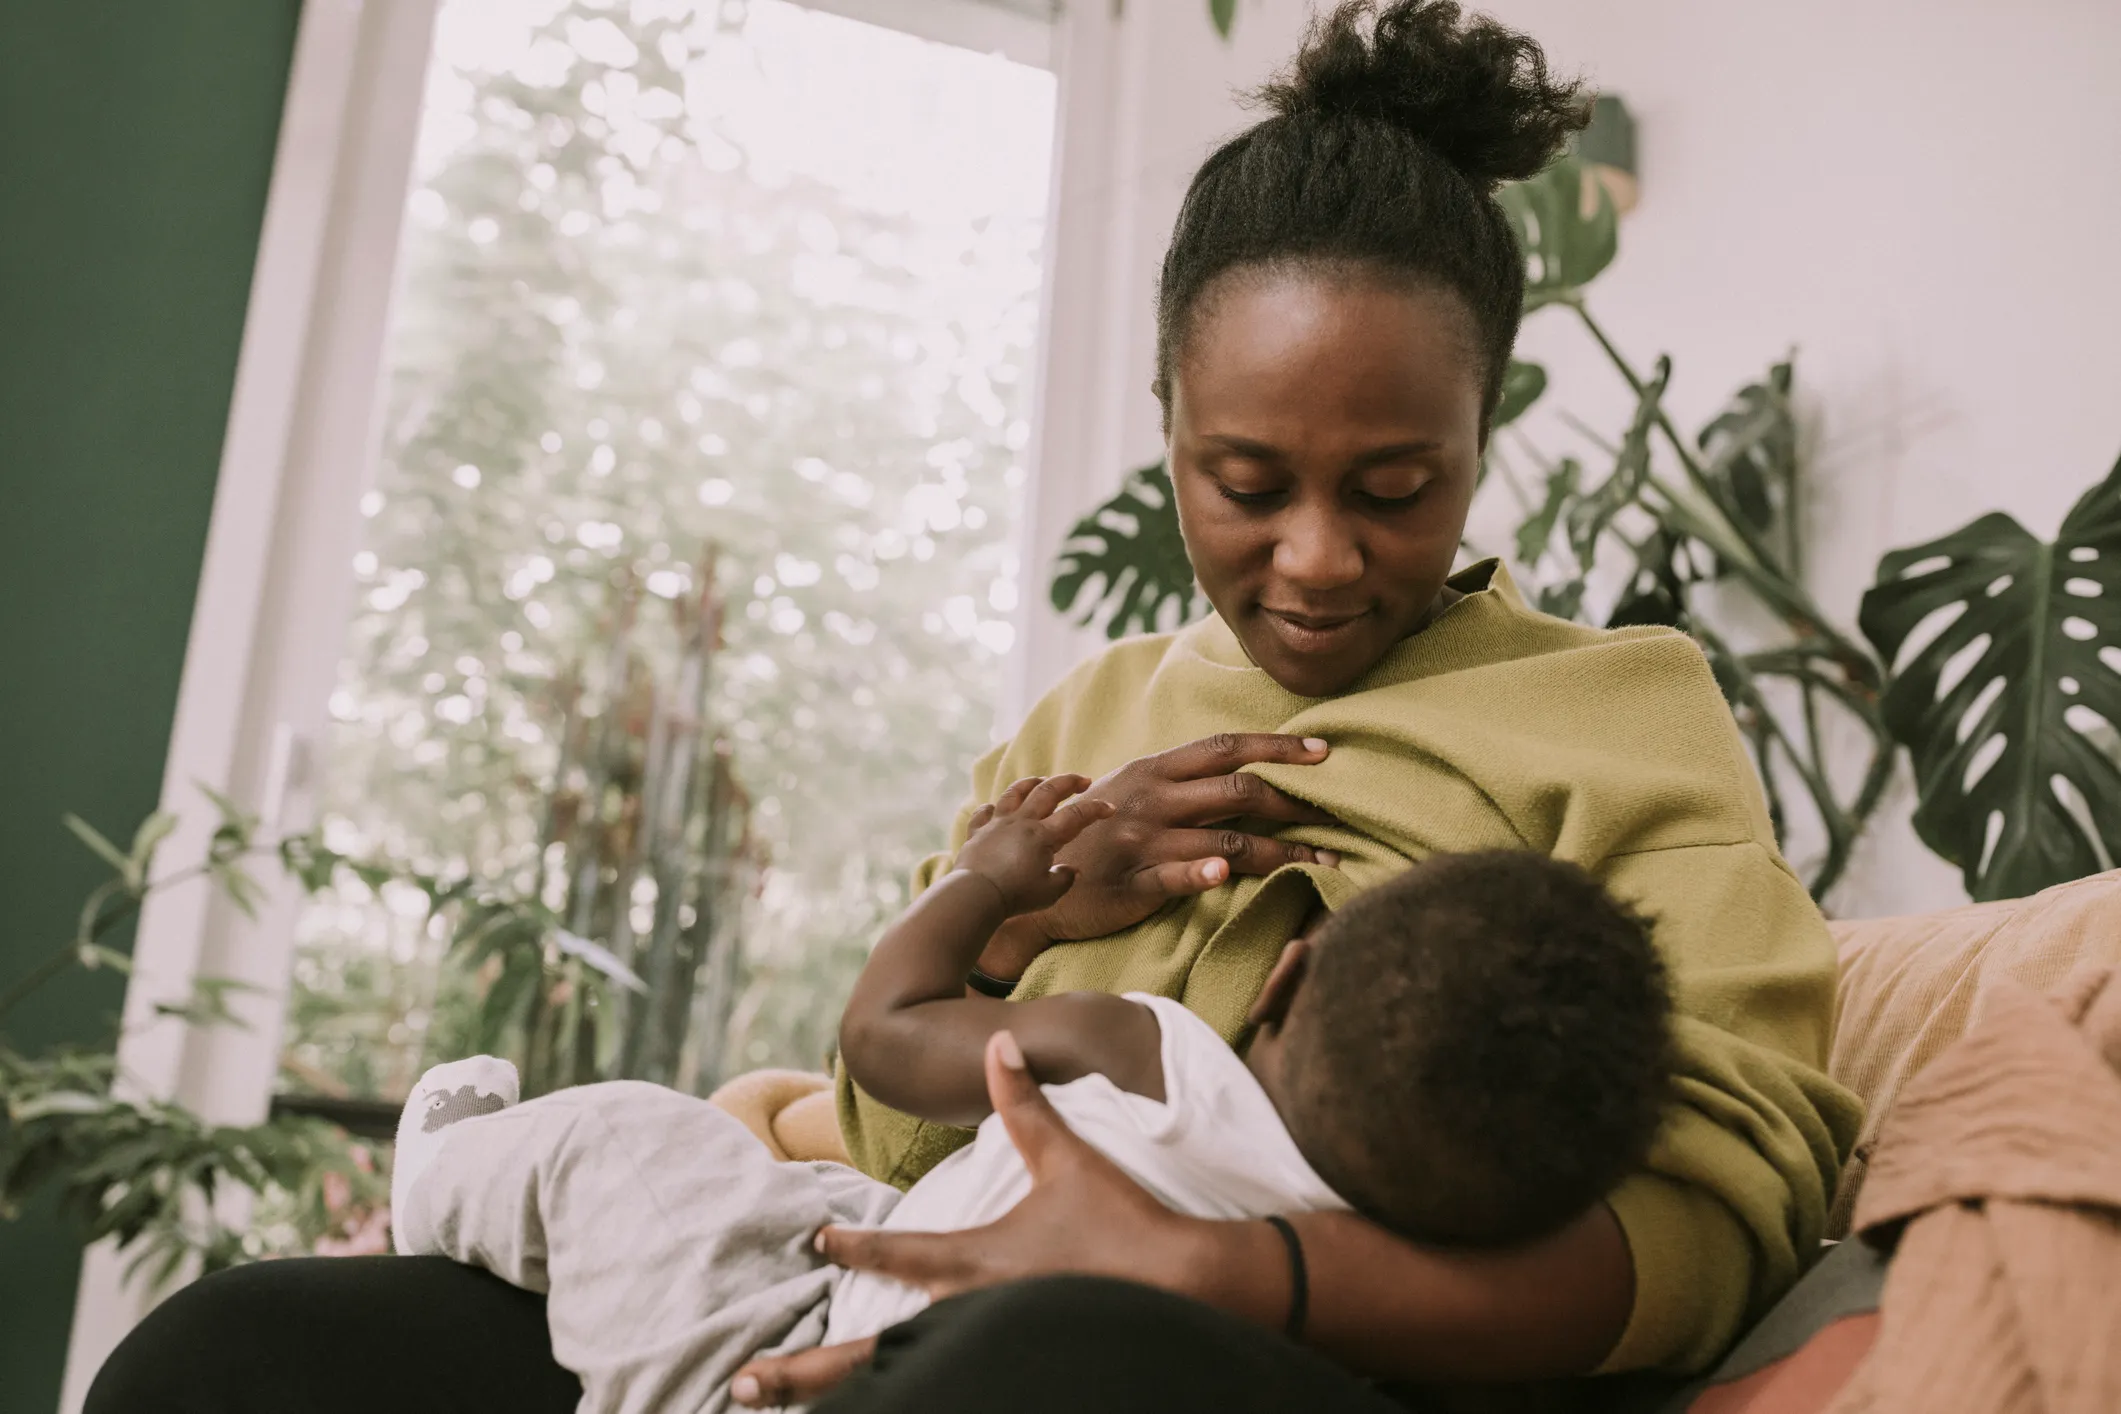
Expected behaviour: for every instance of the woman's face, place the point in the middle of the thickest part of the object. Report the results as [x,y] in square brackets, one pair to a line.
[1325,437]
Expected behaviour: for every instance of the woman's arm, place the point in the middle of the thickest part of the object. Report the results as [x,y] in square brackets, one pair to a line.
[1385,1307]
[1379,1305]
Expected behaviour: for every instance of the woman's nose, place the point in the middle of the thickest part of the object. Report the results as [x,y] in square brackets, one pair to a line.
[1316,551]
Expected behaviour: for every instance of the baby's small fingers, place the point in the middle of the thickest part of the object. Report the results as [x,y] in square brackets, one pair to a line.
[1047,795]
[1012,799]
[1075,817]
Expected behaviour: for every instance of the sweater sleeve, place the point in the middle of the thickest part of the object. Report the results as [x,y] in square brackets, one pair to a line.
[888,1144]
[1733,1202]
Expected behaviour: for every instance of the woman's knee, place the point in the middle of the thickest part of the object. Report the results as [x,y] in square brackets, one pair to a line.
[1075,1342]
[180,1355]
[315,1336]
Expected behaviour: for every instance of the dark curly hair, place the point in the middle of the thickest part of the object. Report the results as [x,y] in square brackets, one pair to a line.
[1481,1048]
[1390,133]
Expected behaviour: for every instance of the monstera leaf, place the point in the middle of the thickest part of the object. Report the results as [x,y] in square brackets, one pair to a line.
[1124,565]
[1751,461]
[2010,712]
[1522,383]
[1564,248]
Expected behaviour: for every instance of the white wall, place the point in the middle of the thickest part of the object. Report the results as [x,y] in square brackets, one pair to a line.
[1922,198]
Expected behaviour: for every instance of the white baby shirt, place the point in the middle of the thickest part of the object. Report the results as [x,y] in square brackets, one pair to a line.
[1215,1148]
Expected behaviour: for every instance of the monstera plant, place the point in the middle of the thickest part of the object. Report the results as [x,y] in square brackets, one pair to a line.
[2009,700]
[1125,563]
[2009,713]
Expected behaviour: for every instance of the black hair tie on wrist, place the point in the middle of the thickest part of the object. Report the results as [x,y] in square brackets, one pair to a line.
[1299,1278]
[988,986]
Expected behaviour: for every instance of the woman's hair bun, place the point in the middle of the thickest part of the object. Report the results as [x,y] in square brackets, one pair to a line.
[1477,93]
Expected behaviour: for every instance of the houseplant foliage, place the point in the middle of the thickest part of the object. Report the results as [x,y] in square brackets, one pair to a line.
[2009,711]
[149,1173]
[1633,528]
[1125,563]
[139,1170]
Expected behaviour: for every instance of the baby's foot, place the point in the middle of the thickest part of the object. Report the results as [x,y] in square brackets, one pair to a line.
[447,1093]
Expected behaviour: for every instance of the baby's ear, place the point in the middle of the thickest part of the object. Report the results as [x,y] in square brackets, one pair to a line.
[1282,984]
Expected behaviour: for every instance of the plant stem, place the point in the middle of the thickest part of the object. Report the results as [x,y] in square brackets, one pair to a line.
[96,921]
[1753,543]
[37,976]
[1748,557]
[1756,564]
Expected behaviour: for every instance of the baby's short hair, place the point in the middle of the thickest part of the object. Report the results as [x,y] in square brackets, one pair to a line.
[1480,1049]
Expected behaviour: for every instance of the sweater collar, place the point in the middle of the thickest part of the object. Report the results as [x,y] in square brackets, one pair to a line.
[1490,598]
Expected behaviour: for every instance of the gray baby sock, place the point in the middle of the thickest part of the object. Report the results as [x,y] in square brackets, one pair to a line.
[447,1093]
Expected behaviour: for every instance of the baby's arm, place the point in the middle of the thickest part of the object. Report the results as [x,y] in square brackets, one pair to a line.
[914,1038]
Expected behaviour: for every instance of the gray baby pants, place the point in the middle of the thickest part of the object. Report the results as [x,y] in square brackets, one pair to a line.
[672,1247]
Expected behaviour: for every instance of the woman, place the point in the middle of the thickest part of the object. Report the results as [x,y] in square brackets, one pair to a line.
[1337,308]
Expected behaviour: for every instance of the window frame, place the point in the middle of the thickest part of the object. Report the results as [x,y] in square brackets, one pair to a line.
[298,454]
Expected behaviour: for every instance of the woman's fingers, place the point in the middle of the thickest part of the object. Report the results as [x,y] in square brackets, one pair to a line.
[1224,752]
[775,1380]
[1238,796]
[1034,1126]
[1247,853]
[1181,877]
[939,1263]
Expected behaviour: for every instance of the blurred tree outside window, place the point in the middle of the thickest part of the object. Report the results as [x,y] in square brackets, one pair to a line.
[739,284]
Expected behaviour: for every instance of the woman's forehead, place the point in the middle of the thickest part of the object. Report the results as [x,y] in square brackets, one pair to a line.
[1293,346]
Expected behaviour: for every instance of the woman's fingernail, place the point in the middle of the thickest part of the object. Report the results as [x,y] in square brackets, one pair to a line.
[1328,858]
[744,1388]
[1315,744]
[1216,870]
[1012,1055]
[817,1243]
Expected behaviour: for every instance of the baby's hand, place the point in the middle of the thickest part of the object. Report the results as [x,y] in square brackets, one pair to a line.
[1014,840]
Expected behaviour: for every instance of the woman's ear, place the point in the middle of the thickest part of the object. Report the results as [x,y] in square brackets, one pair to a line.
[1272,1008]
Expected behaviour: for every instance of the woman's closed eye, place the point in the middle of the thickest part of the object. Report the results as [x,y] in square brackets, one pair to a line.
[1249,498]
[1389,488]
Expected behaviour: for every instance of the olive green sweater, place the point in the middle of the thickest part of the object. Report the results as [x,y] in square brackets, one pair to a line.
[1500,727]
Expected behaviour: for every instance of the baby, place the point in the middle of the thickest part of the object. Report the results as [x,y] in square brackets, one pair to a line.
[1469,1055]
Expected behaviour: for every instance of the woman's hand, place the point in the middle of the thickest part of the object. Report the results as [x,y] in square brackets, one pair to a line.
[1170,835]
[1379,1305]
[1082,1215]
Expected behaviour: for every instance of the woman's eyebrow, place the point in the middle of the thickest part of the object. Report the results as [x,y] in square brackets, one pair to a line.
[1245,447]
[1394,452]
[1375,456]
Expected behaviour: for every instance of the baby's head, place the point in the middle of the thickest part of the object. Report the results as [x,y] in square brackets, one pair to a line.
[1473,1053]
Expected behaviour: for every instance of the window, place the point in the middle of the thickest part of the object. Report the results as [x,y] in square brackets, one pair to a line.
[690,560]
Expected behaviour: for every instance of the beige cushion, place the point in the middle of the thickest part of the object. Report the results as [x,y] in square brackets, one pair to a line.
[1910,986]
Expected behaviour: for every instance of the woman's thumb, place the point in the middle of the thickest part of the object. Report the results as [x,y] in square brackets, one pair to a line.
[1036,1130]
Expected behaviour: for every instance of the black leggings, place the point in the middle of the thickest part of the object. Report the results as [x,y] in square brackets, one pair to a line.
[422,1335]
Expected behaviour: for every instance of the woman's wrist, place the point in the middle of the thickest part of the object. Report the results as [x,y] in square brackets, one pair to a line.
[1241,1268]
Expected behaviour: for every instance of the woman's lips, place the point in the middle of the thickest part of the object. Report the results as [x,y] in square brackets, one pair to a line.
[1313,633]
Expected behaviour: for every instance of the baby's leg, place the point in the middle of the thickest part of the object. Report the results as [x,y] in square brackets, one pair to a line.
[672,1245]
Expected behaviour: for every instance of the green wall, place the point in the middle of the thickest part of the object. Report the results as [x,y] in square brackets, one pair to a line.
[136,142]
